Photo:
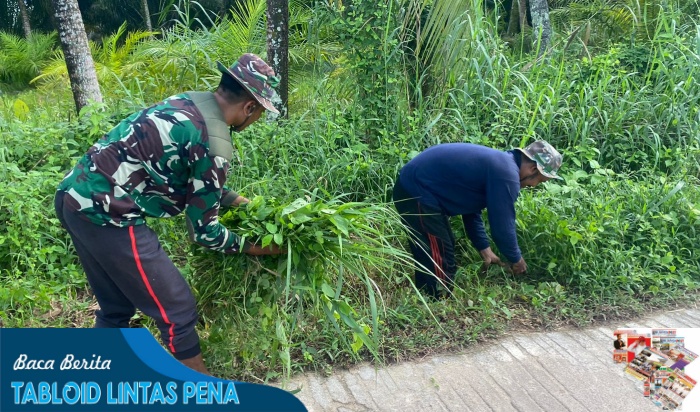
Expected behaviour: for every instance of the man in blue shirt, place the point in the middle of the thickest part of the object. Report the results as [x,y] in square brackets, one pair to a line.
[463,179]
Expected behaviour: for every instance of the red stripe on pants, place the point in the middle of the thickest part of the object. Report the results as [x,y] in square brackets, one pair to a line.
[434,250]
[437,257]
[150,289]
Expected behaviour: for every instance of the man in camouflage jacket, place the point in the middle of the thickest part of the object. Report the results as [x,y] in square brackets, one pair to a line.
[163,160]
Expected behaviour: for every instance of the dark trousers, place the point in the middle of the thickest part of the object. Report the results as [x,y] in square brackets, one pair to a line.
[127,269]
[431,240]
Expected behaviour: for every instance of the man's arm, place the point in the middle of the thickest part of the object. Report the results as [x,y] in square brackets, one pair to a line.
[204,193]
[474,227]
[229,198]
[203,199]
[500,203]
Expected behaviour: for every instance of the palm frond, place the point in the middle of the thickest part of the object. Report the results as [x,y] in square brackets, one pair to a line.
[23,58]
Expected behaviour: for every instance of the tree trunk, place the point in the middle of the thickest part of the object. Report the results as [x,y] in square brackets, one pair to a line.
[74,42]
[25,18]
[146,15]
[278,46]
[513,23]
[522,13]
[542,29]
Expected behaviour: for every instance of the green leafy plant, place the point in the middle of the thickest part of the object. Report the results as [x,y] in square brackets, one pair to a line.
[329,245]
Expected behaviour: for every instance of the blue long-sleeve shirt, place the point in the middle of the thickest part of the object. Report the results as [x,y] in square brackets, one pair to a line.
[463,179]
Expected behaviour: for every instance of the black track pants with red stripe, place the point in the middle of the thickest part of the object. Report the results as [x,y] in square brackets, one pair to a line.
[431,240]
[127,269]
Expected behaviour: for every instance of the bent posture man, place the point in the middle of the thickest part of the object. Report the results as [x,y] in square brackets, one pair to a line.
[462,179]
[163,160]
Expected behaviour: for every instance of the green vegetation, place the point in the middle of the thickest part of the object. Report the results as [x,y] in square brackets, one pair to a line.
[368,91]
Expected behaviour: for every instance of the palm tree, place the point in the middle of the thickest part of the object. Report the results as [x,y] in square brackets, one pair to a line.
[184,55]
[74,43]
[113,57]
[278,46]
[25,18]
[438,35]
[146,15]
[602,19]
[21,59]
[542,29]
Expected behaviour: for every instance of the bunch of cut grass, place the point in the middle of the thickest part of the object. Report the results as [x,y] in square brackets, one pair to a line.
[330,246]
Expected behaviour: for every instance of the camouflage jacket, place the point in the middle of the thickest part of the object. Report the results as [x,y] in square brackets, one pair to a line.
[155,163]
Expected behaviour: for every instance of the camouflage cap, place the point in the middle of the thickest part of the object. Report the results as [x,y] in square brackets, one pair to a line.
[256,77]
[547,158]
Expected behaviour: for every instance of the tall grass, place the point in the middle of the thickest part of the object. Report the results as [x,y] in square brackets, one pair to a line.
[331,246]
[597,109]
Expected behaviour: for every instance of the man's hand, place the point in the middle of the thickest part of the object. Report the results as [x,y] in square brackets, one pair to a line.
[272,249]
[489,259]
[239,201]
[519,267]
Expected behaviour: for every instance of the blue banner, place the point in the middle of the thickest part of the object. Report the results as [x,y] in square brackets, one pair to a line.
[115,370]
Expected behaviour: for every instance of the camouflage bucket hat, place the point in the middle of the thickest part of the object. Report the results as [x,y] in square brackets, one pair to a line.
[256,77]
[547,158]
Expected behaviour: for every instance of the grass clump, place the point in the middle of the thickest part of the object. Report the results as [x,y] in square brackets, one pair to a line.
[331,246]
